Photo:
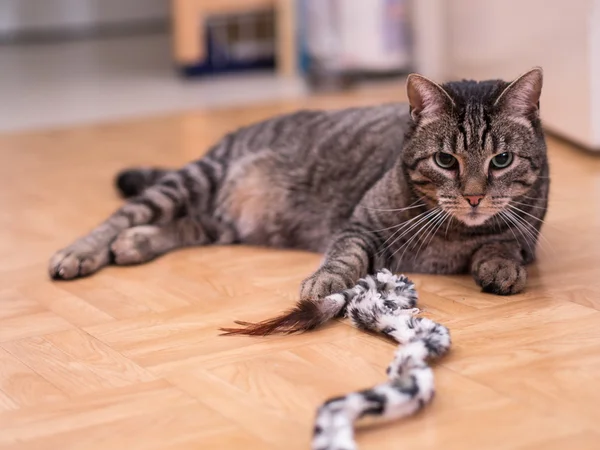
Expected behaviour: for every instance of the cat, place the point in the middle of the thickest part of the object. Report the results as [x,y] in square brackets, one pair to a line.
[454,181]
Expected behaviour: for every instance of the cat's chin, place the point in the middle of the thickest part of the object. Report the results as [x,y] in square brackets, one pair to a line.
[474,219]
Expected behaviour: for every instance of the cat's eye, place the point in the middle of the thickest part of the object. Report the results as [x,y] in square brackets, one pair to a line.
[502,160]
[445,160]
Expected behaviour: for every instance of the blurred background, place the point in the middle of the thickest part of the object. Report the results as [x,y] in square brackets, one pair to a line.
[66,62]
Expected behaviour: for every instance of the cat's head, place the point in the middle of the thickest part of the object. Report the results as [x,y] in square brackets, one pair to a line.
[474,146]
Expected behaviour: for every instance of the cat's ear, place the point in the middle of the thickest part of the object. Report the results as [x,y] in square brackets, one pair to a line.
[522,96]
[428,100]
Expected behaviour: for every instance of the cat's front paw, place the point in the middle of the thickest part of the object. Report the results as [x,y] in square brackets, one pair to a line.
[323,283]
[501,276]
[77,260]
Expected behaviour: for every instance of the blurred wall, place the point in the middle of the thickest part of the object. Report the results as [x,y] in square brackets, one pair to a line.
[504,38]
[19,16]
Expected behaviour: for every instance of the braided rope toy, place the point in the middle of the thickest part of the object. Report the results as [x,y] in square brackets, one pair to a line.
[384,303]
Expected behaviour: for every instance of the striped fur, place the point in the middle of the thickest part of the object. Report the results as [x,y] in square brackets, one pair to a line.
[132,182]
[360,185]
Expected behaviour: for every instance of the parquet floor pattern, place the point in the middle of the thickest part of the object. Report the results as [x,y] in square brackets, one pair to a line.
[131,358]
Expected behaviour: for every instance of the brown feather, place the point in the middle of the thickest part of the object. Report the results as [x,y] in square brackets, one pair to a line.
[303,317]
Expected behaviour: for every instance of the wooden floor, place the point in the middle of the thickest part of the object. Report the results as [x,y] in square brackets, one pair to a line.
[131,358]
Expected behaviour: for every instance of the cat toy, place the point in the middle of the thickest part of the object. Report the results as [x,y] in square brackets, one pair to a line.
[384,303]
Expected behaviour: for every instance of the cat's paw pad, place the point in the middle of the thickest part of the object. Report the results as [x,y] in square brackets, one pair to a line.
[74,262]
[501,276]
[133,246]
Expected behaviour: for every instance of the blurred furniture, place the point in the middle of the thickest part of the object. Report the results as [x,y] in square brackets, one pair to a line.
[189,18]
[344,41]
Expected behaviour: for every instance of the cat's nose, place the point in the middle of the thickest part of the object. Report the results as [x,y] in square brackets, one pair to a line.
[473,200]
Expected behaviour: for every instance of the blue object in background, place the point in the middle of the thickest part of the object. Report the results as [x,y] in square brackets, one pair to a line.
[227,50]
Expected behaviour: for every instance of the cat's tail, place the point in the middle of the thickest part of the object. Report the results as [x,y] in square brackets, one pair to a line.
[306,315]
[133,181]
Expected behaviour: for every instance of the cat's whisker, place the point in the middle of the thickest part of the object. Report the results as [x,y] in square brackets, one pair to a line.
[537,233]
[417,233]
[532,232]
[528,197]
[405,232]
[394,226]
[445,204]
[411,206]
[421,230]
[448,226]
[515,225]
[508,226]
[423,238]
[422,217]
[447,216]
[526,213]
[508,217]
[554,198]
[402,226]
[429,237]
[534,217]
[424,234]
[497,226]
[501,216]
[526,204]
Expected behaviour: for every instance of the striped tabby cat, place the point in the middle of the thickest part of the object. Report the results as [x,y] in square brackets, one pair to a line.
[455,181]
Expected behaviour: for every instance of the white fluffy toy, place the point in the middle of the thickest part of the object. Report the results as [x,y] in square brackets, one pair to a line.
[384,303]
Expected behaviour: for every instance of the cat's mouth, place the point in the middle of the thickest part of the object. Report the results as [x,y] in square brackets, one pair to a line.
[472,217]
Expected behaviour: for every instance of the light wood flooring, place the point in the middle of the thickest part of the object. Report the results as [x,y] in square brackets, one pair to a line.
[131,358]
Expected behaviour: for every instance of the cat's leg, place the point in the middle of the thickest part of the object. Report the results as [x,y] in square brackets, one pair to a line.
[158,204]
[191,189]
[499,268]
[351,256]
[145,242]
